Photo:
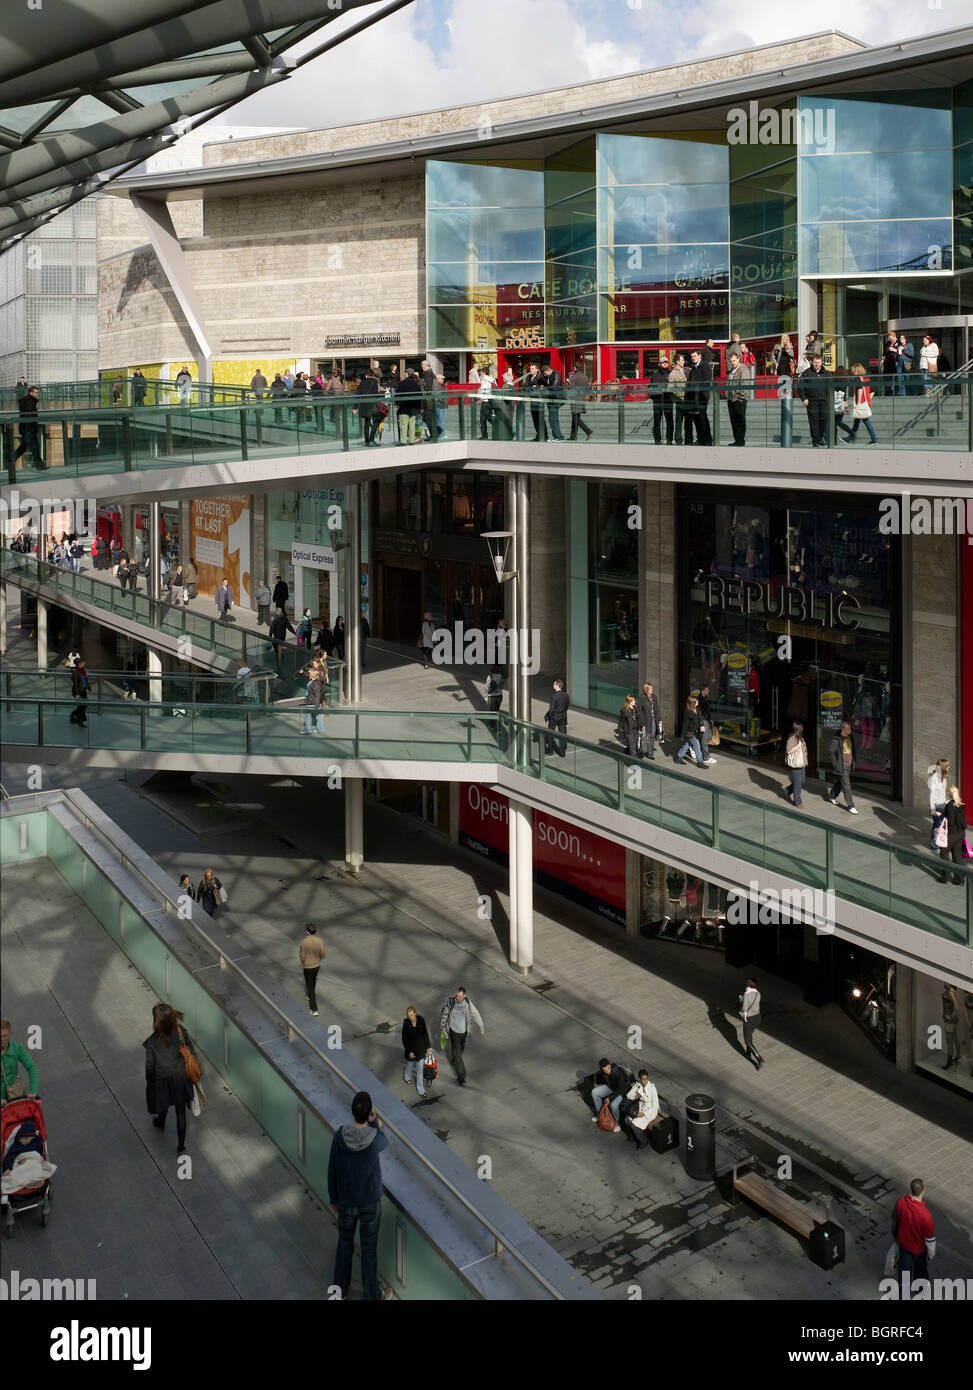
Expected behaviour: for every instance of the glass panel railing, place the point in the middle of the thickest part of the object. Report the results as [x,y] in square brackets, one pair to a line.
[898,882]
[165,434]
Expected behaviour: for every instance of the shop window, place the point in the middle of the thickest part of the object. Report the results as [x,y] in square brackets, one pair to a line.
[386,504]
[436,497]
[410,502]
[462,513]
[489,502]
[627,365]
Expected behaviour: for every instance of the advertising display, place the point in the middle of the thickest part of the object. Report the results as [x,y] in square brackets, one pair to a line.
[221,544]
[568,860]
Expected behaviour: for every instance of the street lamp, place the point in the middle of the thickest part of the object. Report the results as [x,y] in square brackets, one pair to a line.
[498,544]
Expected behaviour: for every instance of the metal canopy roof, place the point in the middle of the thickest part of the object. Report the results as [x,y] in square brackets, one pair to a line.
[122,79]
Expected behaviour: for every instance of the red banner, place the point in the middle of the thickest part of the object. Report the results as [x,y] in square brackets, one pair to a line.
[582,866]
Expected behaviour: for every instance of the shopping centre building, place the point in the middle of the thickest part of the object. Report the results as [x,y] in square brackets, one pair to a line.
[818,184]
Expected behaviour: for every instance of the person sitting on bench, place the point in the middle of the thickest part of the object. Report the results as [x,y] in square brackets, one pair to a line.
[612,1082]
[643,1101]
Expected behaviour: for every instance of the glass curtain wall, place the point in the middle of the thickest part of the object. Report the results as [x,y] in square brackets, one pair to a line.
[485,254]
[604,618]
[571,239]
[664,232]
[963,179]
[876,180]
[763,241]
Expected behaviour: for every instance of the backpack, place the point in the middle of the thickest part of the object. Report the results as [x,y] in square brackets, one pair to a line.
[606,1120]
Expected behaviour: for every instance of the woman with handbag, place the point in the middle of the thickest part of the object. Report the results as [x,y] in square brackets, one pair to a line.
[952,828]
[937,780]
[861,410]
[795,756]
[171,1070]
[210,893]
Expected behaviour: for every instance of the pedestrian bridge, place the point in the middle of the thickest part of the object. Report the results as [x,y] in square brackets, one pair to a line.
[883,895]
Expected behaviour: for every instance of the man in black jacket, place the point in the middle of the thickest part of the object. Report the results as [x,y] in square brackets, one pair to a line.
[280,626]
[28,427]
[612,1081]
[428,382]
[697,396]
[842,751]
[534,388]
[554,387]
[556,719]
[281,593]
[816,387]
[661,401]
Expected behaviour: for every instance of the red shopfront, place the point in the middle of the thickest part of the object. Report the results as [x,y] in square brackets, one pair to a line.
[583,867]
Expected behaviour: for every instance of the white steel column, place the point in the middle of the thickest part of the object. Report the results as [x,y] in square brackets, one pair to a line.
[154,666]
[354,824]
[41,634]
[3,619]
[521,848]
[352,520]
[157,222]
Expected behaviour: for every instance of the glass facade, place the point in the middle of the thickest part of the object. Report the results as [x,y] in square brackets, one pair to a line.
[603,639]
[49,302]
[876,184]
[790,613]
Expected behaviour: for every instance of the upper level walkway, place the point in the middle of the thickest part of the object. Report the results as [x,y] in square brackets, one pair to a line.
[923,443]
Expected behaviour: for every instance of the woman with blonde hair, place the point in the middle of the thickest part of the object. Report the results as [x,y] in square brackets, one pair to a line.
[955,817]
[415,1045]
[861,409]
[782,357]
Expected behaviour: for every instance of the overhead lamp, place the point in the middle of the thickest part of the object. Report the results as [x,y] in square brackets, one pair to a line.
[498,544]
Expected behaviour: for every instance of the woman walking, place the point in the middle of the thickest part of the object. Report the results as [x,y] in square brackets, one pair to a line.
[690,733]
[415,1045]
[427,637]
[955,818]
[750,1013]
[210,893]
[795,756]
[166,1079]
[628,725]
[861,410]
[338,637]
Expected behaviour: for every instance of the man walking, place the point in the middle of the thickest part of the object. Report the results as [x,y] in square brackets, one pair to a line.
[578,390]
[224,600]
[262,596]
[842,762]
[750,1013]
[648,720]
[258,384]
[737,380]
[454,1021]
[312,953]
[27,427]
[914,1233]
[556,719]
[554,390]
[355,1192]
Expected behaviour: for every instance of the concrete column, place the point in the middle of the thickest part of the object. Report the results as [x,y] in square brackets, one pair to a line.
[904,1018]
[155,670]
[657,598]
[155,552]
[3,619]
[354,824]
[42,606]
[521,846]
[931,679]
[456,790]
[186,531]
[352,592]
[516,508]
[547,551]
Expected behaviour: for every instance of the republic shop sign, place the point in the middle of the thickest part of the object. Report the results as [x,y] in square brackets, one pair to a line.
[568,860]
[792,601]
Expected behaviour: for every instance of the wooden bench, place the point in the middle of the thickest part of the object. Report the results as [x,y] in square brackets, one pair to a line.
[826,1239]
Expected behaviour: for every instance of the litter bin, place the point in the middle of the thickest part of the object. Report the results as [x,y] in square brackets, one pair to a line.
[701,1136]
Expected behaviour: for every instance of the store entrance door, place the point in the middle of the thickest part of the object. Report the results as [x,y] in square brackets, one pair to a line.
[401,603]
[953,333]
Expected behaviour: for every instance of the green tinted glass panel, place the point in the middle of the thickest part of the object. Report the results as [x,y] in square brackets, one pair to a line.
[489,282]
[458,185]
[681,212]
[844,248]
[764,201]
[903,184]
[697,158]
[571,228]
[918,120]
[641,268]
[572,321]
[513,234]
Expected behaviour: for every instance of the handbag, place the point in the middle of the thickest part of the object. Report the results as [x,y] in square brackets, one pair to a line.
[194,1071]
[606,1120]
[967,850]
[862,411]
[941,834]
[198,1101]
[714,738]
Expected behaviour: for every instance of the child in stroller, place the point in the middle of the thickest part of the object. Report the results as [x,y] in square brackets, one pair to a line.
[430,1069]
[26,1171]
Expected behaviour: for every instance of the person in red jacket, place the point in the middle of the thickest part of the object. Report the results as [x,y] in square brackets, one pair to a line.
[914,1234]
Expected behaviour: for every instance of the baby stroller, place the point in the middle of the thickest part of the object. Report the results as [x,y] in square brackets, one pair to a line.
[23,1142]
[430,1070]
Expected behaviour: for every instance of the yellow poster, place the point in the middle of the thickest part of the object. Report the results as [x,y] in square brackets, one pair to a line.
[221,545]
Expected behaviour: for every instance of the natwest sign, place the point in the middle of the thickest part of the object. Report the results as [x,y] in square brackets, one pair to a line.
[583,867]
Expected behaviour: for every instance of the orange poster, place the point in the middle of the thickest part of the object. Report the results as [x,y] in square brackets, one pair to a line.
[221,544]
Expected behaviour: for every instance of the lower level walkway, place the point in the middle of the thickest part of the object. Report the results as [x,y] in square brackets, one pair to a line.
[241,1226]
[408,931]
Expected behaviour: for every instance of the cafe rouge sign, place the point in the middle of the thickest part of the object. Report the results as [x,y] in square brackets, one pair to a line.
[792,601]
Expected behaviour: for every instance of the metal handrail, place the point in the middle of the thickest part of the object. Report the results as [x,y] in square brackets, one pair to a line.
[171,908]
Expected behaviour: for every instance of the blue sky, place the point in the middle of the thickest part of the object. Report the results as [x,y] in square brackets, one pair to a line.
[441,53]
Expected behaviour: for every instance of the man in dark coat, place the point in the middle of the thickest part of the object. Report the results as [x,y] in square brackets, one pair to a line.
[556,719]
[27,428]
[816,388]
[281,593]
[842,750]
[649,719]
[698,397]
[355,1192]
[554,389]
